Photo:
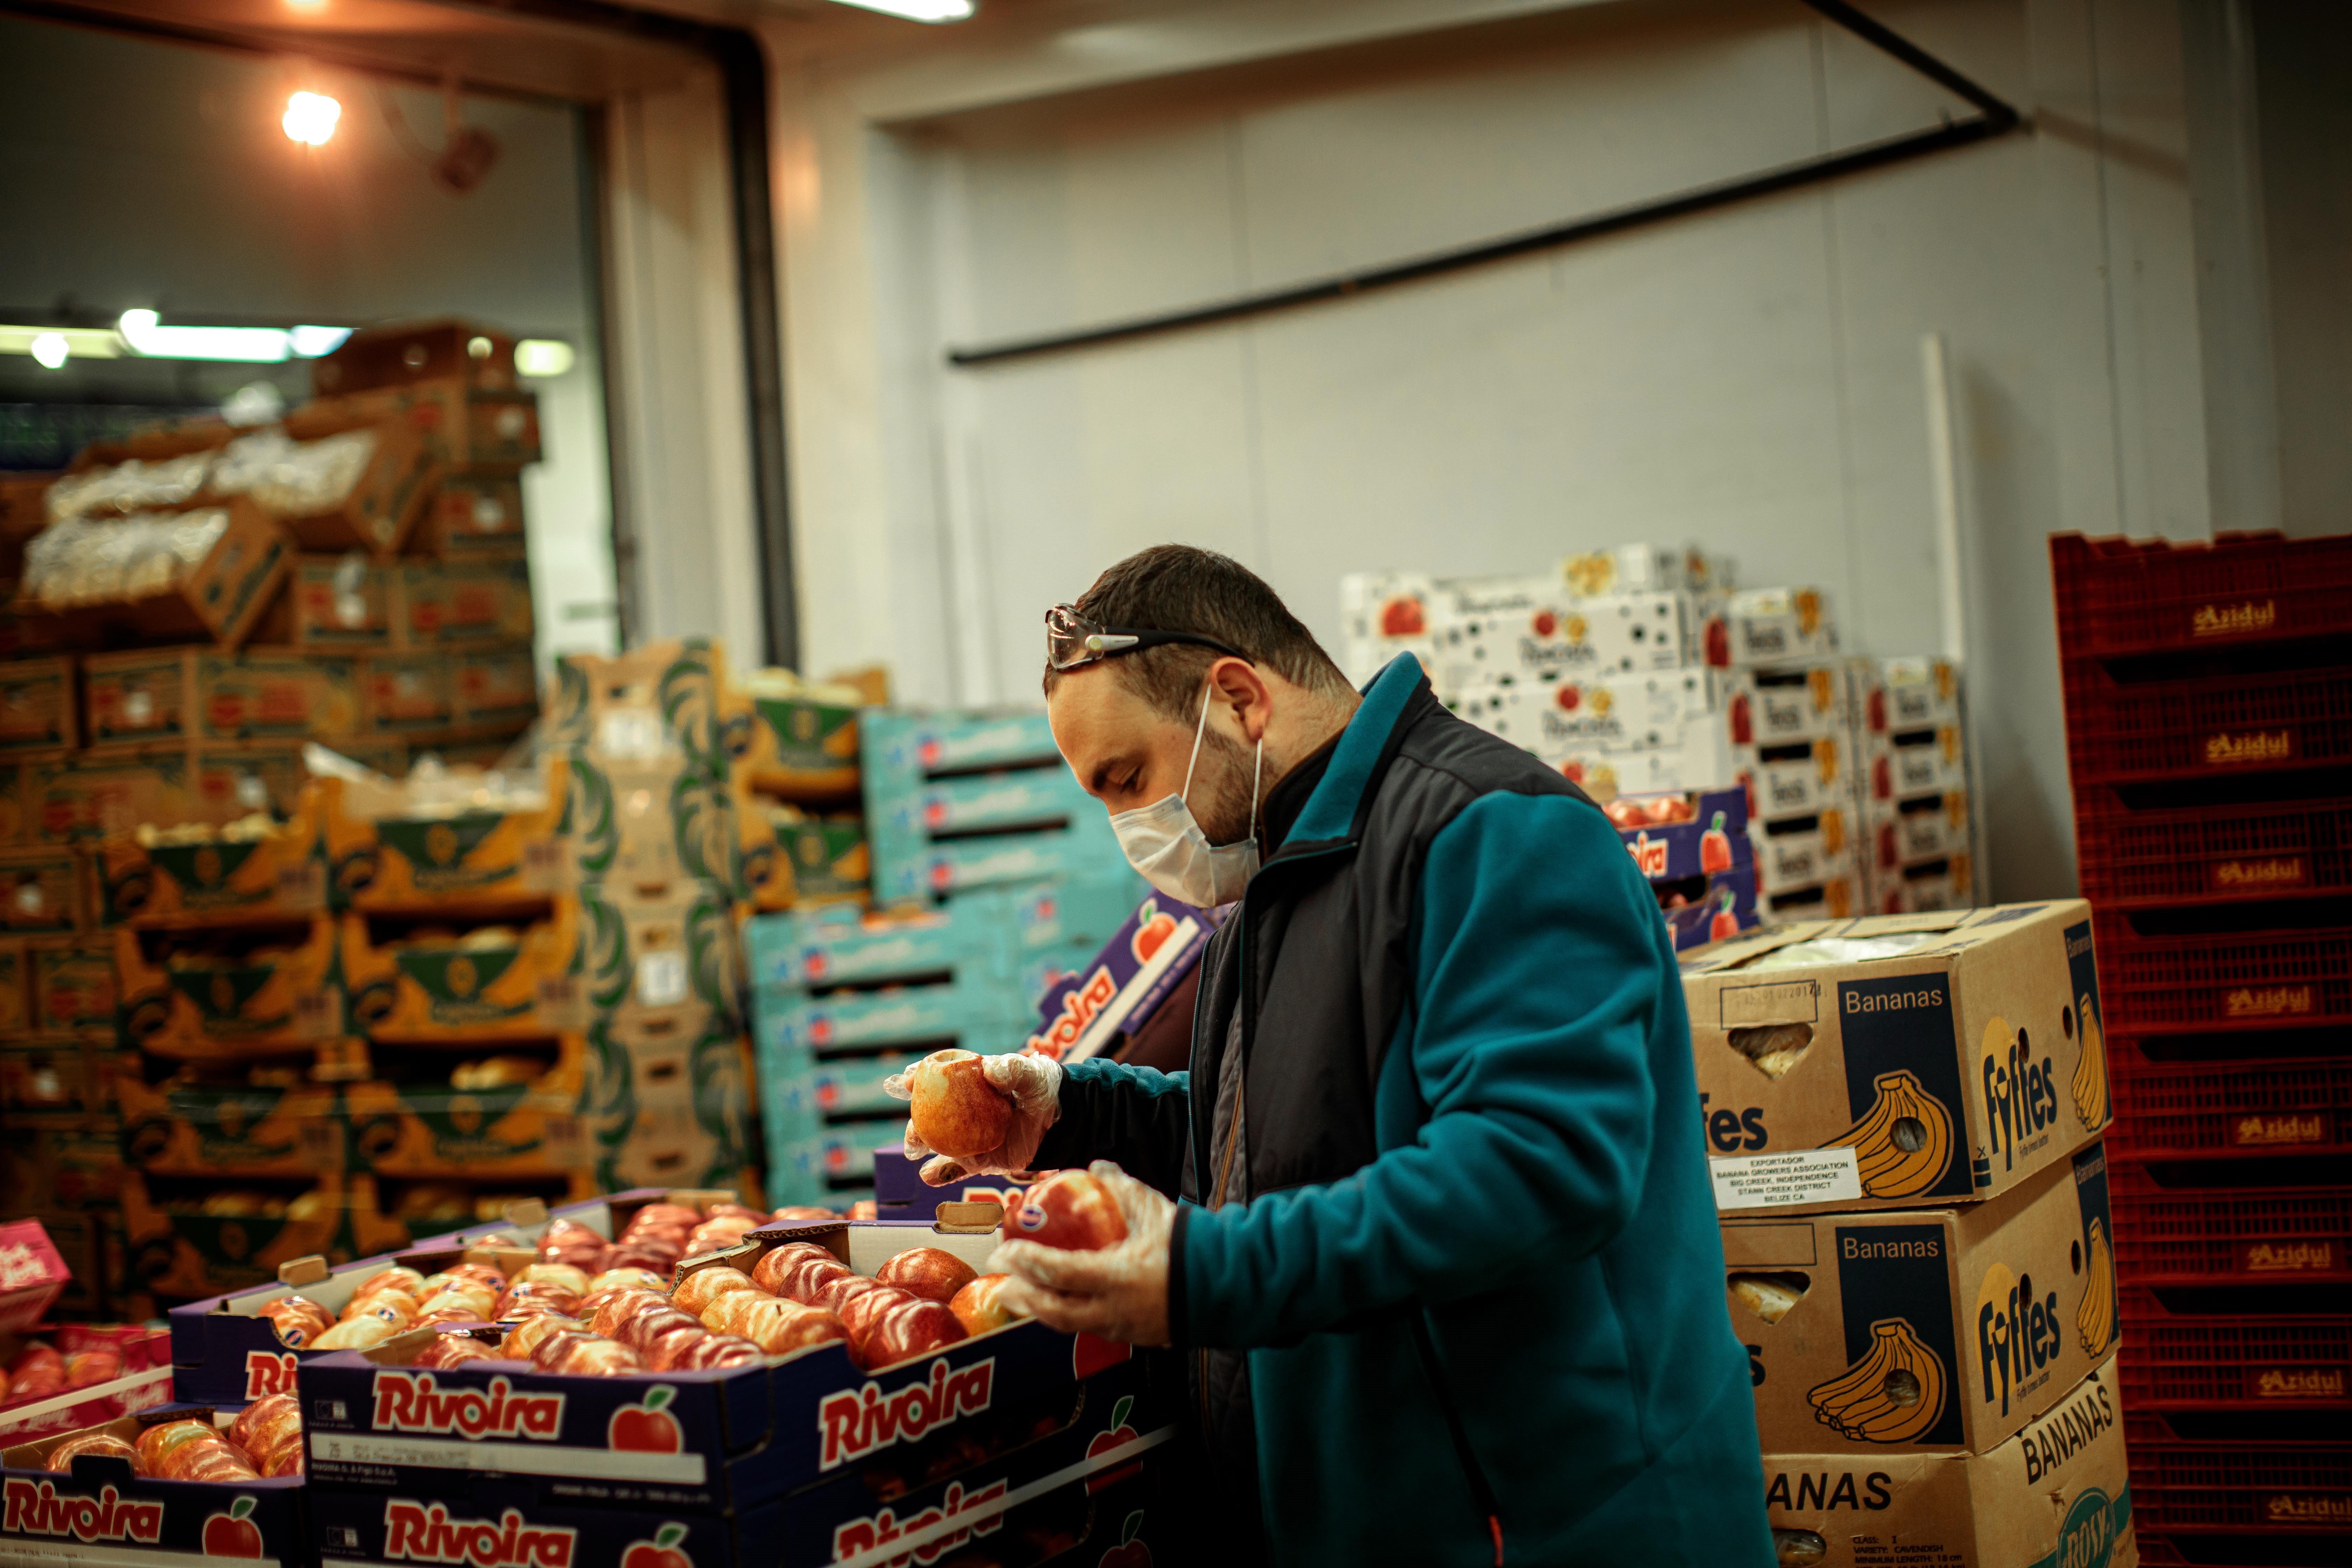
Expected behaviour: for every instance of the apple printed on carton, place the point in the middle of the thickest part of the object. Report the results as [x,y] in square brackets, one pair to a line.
[1130,1552]
[1116,1435]
[233,1533]
[661,1552]
[646,1427]
[1125,983]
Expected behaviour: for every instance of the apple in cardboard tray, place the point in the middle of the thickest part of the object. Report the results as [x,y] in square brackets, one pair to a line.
[448,1349]
[1069,1209]
[639,1331]
[864,1314]
[911,1330]
[840,1289]
[264,1423]
[954,1109]
[931,1272]
[104,1444]
[298,1320]
[976,1306]
[698,1290]
[769,1271]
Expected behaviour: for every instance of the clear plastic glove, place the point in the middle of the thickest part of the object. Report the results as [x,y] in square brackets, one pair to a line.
[1032,1081]
[1120,1293]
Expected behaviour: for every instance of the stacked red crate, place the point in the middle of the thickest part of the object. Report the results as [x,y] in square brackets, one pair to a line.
[2208,717]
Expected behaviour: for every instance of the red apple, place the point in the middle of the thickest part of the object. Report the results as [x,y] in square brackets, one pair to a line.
[585,1356]
[105,1444]
[698,1290]
[232,1534]
[157,1442]
[721,1351]
[264,1423]
[622,1305]
[645,1428]
[929,1272]
[768,1272]
[448,1349]
[1402,618]
[1068,1209]
[911,1328]
[864,1314]
[667,1353]
[85,1368]
[865,1211]
[955,1110]
[805,1281]
[840,1290]
[779,1327]
[802,1214]
[640,1332]
[976,1306]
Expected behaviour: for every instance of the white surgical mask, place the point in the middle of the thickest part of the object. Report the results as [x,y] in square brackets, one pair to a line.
[1165,843]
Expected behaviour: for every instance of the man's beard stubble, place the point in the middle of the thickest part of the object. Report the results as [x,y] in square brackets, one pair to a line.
[1219,800]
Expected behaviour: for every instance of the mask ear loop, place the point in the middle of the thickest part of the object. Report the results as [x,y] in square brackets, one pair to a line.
[1199,731]
[1257,766]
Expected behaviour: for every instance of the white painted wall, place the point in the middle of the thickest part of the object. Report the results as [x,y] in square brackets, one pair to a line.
[1749,381]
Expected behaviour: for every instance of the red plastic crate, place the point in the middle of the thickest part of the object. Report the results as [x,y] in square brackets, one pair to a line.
[2219,981]
[2215,854]
[2123,597]
[2246,1549]
[2199,1108]
[2211,726]
[2218,1484]
[2232,1362]
[2220,1235]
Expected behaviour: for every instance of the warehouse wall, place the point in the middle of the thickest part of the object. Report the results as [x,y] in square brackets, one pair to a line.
[1749,381]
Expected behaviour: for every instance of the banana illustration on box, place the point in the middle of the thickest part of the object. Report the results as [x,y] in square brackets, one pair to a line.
[1890,1396]
[2090,1084]
[2094,1319]
[1902,1146]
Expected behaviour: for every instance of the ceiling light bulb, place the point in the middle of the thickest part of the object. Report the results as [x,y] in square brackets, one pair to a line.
[542,357]
[50,350]
[918,10]
[309,342]
[310,118]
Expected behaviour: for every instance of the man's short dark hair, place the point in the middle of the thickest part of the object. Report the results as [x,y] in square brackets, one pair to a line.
[1182,588]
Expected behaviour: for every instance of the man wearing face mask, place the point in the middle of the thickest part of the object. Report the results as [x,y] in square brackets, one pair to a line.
[1429,1213]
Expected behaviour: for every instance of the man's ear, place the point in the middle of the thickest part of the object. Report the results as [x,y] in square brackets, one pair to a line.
[1240,686]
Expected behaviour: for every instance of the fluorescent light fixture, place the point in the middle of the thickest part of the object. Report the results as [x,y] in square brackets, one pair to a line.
[49,349]
[251,345]
[543,357]
[310,118]
[918,10]
[77,342]
[309,342]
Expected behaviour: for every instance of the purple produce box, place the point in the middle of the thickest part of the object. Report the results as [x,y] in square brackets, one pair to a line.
[1126,983]
[1714,839]
[1728,909]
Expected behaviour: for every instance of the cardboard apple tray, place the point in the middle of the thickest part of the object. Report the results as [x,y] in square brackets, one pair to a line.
[2057,1495]
[1948,1072]
[1943,1329]
[798,1447]
[223,1351]
[102,1513]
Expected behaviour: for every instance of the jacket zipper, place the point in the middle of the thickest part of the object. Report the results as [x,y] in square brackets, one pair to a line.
[1481,1493]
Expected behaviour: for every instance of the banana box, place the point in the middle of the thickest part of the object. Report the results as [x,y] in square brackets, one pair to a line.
[197,996]
[655,820]
[1908,1061]
[78,798]
[663,697]
[820,860]
[2057,1495]
[797,747]
[484,602]
[498,1116]
[145,695]
[197,1235]
[57,1078]
[384,855]
[42,892]
[278,875]
[660,967]
[473,429]
[684,1109]
[232,779]
[334,604]
[496,983]
[1933,1328]
[72,983]
[191,1127]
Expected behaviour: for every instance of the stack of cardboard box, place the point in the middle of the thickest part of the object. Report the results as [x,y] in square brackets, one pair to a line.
[1902,1118]
[1912,783]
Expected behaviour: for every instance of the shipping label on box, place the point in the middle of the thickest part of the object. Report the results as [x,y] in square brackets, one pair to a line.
[41,893]
[1776,707]
[275,696]
[476,517]
[1625,714]
[1924,1059]
[1945,1328]
[194,1128]
[498,983]
[72,984]
[80,797]
[36,704]
[199,1002]
[275,873]
[2057,1495]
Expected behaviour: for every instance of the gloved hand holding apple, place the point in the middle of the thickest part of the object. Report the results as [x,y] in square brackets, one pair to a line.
[971,1115]
[1098,1262]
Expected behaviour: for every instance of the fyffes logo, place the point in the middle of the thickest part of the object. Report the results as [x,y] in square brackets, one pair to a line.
[37,1508]
[2017,1333]
[2020,1093]
[858,1421]
[441,845]
[421,1533]
[461,977]
[267,1373]
[2087,1537]
[412,1402]
[1732,1130]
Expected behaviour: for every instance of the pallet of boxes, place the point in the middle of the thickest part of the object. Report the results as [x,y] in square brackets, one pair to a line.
[191,606]
[1911,784]
[995,876]
[663,849]
[1903,1117]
